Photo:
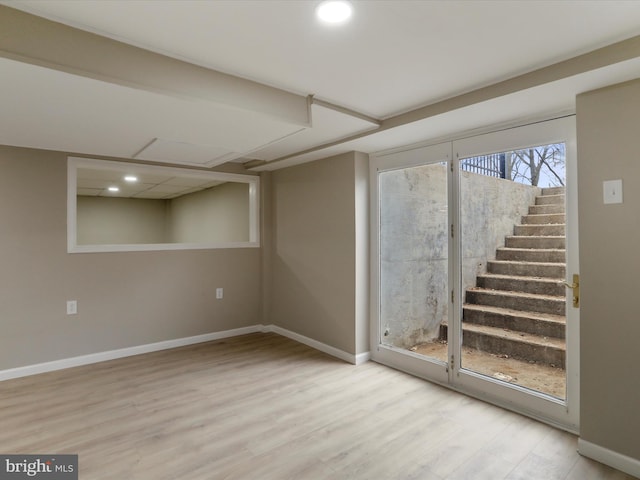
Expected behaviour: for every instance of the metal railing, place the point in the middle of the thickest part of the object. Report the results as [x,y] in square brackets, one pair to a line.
[493,165]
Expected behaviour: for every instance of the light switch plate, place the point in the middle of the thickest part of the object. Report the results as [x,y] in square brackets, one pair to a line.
[612,191]
[72,307]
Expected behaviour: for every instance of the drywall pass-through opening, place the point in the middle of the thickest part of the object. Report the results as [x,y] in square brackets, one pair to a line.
[219,293]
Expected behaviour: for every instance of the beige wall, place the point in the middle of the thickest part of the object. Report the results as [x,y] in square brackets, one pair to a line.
[608,127]
[102,220]
[124,299]
[314,257]
[218,214]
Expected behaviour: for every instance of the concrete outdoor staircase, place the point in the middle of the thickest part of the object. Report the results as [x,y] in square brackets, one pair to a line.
[518,307]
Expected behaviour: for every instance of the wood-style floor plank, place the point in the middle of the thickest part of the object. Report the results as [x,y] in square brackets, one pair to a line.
[264,407]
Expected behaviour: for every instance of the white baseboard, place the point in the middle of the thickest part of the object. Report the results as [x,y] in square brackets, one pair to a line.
[323,347]
[178,342]
[363,358]
[609,457]
[122,352]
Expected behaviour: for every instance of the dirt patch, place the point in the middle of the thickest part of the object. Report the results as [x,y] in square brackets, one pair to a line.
[538,377]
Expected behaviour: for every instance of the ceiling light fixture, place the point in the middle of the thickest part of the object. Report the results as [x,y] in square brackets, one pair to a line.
[113,189]
[334,11]
[130,178]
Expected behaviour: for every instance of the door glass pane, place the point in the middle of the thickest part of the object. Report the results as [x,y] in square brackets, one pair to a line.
[512,219]
[414,259]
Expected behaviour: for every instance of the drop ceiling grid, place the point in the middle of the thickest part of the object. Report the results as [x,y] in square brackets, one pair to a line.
[95,182]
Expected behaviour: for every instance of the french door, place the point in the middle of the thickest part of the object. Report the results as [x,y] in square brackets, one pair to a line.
[470,256]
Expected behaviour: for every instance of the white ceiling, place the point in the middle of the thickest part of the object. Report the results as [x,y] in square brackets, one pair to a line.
[51,109]
[395,56]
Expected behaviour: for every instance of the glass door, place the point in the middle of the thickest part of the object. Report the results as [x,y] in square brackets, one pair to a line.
[473,242]
[412,219]
[514,343]
[513,264]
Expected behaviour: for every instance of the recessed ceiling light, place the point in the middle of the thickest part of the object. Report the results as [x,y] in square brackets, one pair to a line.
[131,178]
[113,189]
[334,11]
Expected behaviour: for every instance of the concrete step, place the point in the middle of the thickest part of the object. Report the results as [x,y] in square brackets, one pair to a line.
[527,302]
[539,230]
[518,307]
[534,242]
[550,200]
[543,324]
[544,219]
[511,283]
[540,209]
[545,255]
[519,345]
[553,191]
[527,269]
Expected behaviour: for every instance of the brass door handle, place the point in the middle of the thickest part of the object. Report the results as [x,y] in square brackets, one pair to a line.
[575,286]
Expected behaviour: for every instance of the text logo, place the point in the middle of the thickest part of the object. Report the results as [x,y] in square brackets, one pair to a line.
[49,467]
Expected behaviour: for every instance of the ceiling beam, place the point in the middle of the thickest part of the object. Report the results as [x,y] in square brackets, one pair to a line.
[34,40]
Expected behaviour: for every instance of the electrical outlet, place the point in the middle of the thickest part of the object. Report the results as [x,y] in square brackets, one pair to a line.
[72,307]
[219,293]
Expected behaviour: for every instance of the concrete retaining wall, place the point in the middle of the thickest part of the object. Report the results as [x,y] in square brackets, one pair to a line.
[415,295]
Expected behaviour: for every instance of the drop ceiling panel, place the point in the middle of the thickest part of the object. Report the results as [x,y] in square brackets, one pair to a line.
[211,184]
[96,181]
[163,188]
[152,195]
[169,151]
[130,189]
[192,182]
[145,177]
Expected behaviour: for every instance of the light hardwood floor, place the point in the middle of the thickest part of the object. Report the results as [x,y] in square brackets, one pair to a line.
[264,407]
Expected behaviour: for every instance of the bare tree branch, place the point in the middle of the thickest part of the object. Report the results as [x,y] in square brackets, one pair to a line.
[528,164]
